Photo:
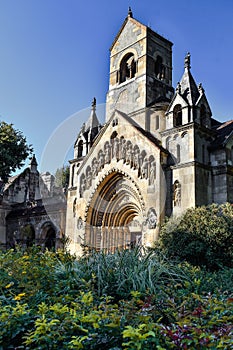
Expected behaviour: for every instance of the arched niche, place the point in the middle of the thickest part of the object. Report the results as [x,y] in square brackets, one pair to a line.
[80,148]
[128,67]
[48,236]
[177,115]
[159,68]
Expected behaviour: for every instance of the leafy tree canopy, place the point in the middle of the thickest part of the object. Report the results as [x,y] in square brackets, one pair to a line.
[62,176]
[201,236]
[14,150]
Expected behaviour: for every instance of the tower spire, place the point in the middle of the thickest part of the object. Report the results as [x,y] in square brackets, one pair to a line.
[33,164]
[92,121]
[93,104]
[187,61]
[130,13]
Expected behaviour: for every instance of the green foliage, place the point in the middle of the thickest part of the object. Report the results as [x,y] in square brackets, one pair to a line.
[131,270]
[202,236]
[62,176]
[13,150]
[52,300]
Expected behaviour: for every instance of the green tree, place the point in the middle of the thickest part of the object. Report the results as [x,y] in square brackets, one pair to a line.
[201,236]
[62,176]
[14,150]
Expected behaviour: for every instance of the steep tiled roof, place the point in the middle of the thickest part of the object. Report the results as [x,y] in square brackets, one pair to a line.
[92,121]
[137,23]
[224,131]
[187,86]
[189,89]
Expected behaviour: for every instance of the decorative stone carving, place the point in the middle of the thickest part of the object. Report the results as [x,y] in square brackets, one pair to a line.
[80,223]
[88,179]
[144,170]
[95,167]
[151,218]
[82,186]
[177,194]
[136,158]
[115,148]
[152,174]
[101,160]
[107,153]
[128,157]
[124,200]
[120,149]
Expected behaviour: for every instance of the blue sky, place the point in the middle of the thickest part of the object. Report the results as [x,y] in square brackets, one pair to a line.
[55,56]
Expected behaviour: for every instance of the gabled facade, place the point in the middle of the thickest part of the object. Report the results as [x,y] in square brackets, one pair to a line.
[32,210]
[158,153]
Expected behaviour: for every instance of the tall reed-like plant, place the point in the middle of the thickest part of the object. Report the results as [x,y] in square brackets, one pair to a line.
[122,272]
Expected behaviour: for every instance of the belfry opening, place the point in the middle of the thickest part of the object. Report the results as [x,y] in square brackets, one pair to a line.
[114,215]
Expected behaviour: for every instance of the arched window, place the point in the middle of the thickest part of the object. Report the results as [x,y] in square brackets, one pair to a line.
[80,148]
[203,115]
[159,68]
[50,239]
[177,116]
[127,67]
[72,175]
[157,122]
[114,135]
[115,122]
[178,153]
[168,141]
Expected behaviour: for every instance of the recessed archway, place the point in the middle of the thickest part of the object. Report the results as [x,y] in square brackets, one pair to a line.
[111,213]
[48,236]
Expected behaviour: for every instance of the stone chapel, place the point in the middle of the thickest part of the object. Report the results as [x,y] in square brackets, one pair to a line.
[158,153]
[32,210]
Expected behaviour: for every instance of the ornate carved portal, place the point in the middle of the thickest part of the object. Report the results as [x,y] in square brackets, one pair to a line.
[120,149]
[115,214]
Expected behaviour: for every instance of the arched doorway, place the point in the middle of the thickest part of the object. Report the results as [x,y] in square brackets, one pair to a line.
[48,235]
[114,214]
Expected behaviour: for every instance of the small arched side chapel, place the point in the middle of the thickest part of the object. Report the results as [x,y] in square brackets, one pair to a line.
[159,152]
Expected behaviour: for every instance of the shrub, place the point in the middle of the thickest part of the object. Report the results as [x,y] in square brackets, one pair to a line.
[202,236]
[50,300]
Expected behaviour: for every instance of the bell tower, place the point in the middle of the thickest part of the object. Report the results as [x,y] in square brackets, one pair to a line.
[140,69]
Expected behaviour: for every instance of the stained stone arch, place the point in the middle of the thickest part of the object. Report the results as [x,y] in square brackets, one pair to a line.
[115,204]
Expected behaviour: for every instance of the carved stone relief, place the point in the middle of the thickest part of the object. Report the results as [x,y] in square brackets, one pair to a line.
[80,223]
[120,149]
[176,194]
[151,218]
